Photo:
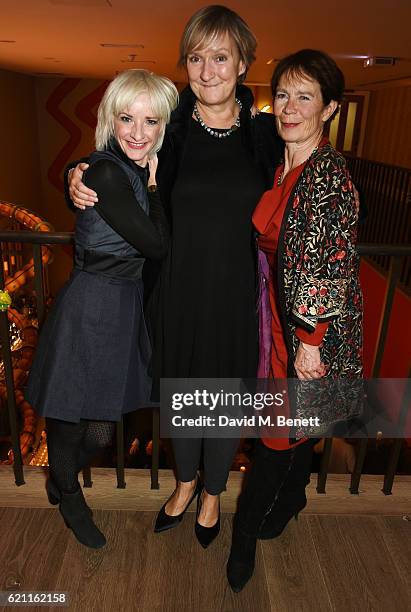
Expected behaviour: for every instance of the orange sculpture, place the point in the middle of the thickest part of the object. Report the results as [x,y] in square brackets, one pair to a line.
[29,332]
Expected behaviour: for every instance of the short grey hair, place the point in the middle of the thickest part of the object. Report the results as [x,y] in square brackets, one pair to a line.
[213,21]
[121,94]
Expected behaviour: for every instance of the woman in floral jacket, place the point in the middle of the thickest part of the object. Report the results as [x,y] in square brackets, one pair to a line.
[311,304]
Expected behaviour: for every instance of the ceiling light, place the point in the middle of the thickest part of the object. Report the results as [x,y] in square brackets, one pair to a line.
[137,61]
[270,61]
[379,61]
[122,45]
[82,3]
[348,56]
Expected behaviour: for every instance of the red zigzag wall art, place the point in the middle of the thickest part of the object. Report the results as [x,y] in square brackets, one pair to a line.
[86,108]
[85,112]
[56,169]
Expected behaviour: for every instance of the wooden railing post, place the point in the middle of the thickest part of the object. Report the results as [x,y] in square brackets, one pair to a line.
[11,400]
[121,483]
[325,462]
[396,447]
[155,454]
[38,284]
[379,351]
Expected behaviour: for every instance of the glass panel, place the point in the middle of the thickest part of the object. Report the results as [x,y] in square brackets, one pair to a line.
[334,130]
[349,128]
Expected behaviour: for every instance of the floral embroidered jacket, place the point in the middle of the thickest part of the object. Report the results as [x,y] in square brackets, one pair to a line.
[318,281]
[318,265]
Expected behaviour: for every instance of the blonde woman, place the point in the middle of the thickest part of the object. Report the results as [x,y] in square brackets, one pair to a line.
[91,363]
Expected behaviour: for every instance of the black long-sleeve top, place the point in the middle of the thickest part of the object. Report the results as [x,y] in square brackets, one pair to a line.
[118,207]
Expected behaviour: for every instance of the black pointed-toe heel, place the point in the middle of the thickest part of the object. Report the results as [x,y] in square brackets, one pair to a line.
[165,521]
[205,535]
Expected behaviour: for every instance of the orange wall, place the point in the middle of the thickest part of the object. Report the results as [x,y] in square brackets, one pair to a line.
[19,157]
[388,131]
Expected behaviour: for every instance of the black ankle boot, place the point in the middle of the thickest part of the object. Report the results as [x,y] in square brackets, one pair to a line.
[240,566]
[54,496]
[75,512]
[53,492]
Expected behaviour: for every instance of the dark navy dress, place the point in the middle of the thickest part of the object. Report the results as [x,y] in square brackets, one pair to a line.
[94,349]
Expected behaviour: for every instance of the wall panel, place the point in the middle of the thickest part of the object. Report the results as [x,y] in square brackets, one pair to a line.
[388,132]
[19,153]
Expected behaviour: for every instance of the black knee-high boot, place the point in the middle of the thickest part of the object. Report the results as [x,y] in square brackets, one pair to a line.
[274,492]
[241,562]
[291,498]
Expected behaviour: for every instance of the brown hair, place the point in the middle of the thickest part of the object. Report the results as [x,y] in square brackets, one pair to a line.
[316,65]
[213,21]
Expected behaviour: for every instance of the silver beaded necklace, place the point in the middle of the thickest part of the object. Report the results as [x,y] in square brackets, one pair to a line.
[212,132]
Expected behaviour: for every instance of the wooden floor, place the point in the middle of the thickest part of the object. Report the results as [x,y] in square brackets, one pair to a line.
[334,558]
[320,563]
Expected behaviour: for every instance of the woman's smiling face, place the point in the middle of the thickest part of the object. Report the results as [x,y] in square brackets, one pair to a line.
[213,70]
[137,129]
[299,109]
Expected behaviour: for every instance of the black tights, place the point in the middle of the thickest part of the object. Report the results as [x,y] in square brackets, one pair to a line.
[71,447]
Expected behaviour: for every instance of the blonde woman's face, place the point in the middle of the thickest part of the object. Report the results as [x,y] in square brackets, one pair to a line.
[213,71]
[137,130]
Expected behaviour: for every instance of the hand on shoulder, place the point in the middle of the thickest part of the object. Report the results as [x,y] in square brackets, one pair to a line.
[80,195]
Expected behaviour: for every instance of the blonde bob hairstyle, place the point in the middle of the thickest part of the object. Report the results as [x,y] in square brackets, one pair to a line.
[212,22]
[121,94]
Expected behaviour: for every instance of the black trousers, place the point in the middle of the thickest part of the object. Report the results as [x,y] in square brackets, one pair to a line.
[218,455]
[275,487]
